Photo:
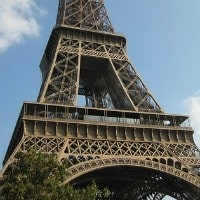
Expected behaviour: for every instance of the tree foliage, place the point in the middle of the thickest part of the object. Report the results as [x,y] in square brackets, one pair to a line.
[37,176]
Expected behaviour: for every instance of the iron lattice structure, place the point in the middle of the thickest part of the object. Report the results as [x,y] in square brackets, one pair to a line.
[121,138]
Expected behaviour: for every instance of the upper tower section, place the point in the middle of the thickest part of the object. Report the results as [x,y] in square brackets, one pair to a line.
[86,61]
[84,14]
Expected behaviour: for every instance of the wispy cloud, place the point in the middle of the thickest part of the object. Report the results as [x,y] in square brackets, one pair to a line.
[18,21]
[192,106]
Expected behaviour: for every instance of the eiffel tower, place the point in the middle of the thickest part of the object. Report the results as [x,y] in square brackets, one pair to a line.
[121,137]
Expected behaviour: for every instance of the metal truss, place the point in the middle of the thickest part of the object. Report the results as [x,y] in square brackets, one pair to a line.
[86,157]
[122,137]
[161,187]
[89,148]
[84,14]
[70,76]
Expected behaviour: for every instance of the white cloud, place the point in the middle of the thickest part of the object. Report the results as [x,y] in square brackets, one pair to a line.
[17,21]
[192,106]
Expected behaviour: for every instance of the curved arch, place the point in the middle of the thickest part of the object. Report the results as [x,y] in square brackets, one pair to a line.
[170,162]
[155,160]
[163,161]
[80,169]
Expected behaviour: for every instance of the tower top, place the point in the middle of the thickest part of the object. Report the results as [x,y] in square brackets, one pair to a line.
[84,14]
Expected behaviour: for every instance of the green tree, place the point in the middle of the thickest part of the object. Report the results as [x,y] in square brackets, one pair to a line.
[38,176]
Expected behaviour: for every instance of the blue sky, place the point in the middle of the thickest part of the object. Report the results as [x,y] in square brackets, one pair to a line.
[163,44]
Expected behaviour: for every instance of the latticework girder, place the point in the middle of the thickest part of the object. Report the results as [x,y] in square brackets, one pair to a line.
[121,138]
[94,69]
[98,139]
[84,164]
[84,14]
